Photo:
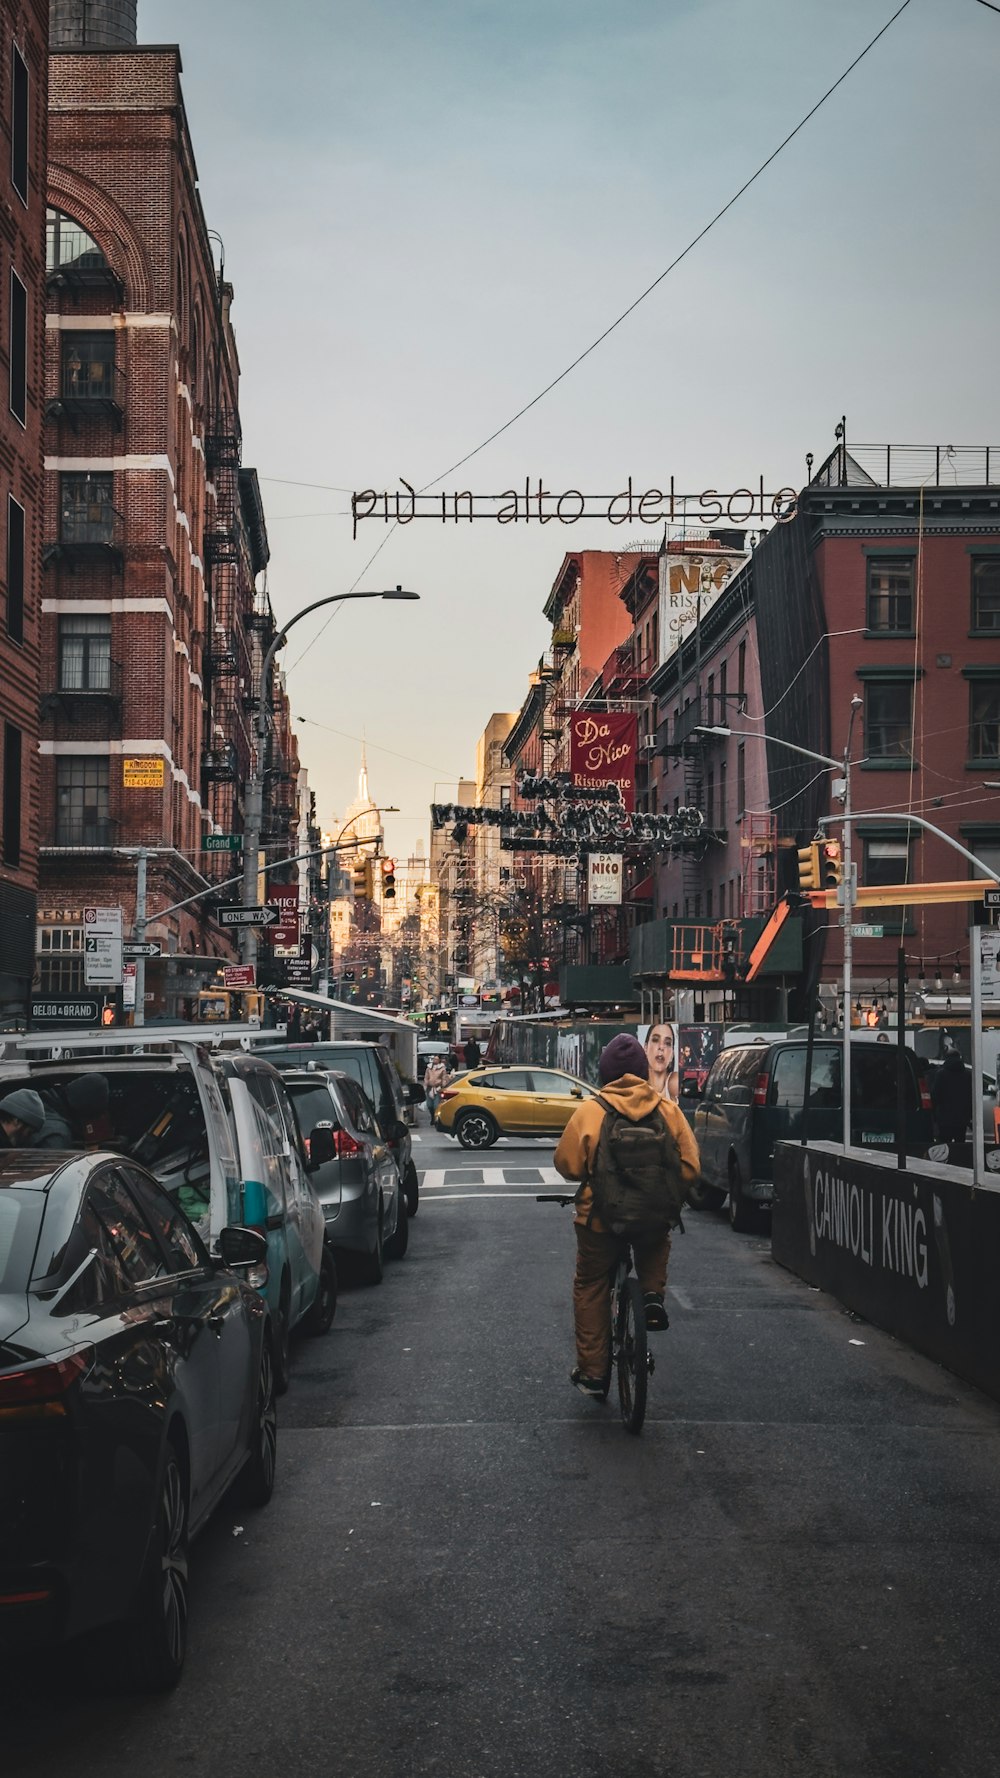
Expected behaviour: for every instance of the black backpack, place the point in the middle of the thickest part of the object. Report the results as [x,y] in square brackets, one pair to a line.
[637,1180]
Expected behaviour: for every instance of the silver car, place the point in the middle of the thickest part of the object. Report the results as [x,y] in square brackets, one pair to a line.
[352,1169]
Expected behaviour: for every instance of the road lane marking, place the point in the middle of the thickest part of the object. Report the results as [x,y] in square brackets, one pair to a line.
[478,1196]
[680,1296]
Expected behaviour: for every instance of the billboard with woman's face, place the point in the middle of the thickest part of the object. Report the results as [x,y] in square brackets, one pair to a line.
[660,1044]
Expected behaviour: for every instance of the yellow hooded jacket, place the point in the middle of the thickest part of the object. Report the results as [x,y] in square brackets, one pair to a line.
[635,1098]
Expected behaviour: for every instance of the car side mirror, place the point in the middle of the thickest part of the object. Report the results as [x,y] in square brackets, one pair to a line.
[576,1092]
[322,1147]
[241,1247]
[414,1092]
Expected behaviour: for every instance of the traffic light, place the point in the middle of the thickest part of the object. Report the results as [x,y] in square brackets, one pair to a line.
[363,879]
[388,879]
[809,866]
[831,864]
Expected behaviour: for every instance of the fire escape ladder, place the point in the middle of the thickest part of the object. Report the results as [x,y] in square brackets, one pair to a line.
[760,865]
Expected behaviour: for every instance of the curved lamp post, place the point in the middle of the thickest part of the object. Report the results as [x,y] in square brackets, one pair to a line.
[255,783]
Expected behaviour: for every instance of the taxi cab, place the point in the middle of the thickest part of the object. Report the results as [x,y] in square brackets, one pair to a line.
[488,1103]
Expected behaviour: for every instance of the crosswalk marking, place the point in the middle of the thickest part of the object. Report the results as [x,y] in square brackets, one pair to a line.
[441,1178]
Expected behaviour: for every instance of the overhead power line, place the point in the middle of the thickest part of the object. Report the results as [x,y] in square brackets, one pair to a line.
[700,236]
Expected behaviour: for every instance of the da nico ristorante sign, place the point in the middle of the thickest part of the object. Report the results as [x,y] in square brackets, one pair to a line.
[603,751]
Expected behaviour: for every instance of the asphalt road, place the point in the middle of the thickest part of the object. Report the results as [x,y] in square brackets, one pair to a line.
[469,1570]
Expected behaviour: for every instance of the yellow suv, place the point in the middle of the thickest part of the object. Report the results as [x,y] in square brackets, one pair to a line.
[491,1102]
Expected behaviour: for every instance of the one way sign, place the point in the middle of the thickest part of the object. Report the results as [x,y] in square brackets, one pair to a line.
[248,916]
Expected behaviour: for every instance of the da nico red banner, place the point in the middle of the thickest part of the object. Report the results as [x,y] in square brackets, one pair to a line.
[603,750]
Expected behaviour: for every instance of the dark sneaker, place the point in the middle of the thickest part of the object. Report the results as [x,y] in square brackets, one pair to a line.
[656,1315]
[592,1386]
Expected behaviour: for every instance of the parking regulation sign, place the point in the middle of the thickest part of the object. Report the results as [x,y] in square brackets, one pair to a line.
[102,947]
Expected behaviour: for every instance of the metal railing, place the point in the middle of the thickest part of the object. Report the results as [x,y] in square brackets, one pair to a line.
[910,466]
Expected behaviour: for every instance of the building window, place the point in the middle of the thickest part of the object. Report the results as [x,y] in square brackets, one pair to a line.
[86,514]
[887,860]
[741,681]
[84,653]
[890,595]
[69,245]
[723,692]
[18,349]
[708,904]
[986,593]
[11,795]
[985,843]
[710,800]
[888,719]
[82,817]
[741,779]
[505,796]
[984,719]
[88,366]
[60,959]
[710,716]
[15,570]
[19,123]
[723,793]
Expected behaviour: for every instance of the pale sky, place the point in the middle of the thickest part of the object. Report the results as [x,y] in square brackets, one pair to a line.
[430,209]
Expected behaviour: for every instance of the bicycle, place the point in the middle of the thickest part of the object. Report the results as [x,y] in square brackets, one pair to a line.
[631,1361]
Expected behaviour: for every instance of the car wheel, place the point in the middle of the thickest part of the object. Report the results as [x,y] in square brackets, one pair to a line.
[698,1195]
[476,1129]
[398,1242]
[256,1483]
[283,1339]
[156,1638]
[411,1186]
[740,1212]
[323,1308]
[371,1269]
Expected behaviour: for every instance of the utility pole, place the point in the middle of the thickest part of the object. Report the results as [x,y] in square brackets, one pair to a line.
[139,1010]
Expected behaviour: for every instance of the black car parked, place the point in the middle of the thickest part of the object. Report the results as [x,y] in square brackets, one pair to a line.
[754,1098]
[136,1385]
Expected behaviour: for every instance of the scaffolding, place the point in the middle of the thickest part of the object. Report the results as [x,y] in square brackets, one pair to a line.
[759,845]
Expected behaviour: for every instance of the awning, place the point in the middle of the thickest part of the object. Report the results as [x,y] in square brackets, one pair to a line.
[643,890]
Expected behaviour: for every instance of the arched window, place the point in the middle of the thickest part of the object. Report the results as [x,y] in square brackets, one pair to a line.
[68,245]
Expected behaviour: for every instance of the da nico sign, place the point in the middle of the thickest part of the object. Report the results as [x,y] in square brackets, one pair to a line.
[604,879]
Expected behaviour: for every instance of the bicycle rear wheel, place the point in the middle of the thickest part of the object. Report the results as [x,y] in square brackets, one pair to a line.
[630,1355]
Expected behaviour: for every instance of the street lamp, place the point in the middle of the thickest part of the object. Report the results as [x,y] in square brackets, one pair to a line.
[255,783]
[844,767]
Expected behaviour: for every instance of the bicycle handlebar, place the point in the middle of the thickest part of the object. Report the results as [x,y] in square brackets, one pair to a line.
[555,1198]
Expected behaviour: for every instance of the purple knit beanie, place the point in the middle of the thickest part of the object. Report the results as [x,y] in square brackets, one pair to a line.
[623,1055]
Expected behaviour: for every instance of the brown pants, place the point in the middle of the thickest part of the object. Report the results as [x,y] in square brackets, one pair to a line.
[596,1258]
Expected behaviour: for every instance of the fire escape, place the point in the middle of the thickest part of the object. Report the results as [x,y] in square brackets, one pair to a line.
[221,555]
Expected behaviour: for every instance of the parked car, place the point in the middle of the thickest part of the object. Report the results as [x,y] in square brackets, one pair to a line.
[136,1387]
[754,1098]
[219,1133]
[509,1101]
[373,1069]
[352,1169]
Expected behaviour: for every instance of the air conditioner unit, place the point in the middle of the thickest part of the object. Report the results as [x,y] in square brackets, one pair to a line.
[647,744]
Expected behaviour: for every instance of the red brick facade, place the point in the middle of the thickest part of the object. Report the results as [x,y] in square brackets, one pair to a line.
[23,124]
[154,534]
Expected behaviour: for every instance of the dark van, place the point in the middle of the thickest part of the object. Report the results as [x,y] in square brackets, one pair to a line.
[753,1099]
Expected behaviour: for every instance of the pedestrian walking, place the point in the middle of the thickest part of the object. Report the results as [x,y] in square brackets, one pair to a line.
[951,1098]
[473,1054]
[436,1078]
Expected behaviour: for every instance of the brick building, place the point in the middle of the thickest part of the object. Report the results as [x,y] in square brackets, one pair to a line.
[883,588]
[154,536]
[23,128]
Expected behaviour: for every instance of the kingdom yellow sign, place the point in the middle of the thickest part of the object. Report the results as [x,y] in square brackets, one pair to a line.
[143,774]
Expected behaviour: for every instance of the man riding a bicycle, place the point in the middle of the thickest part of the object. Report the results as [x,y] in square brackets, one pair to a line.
[623,1070]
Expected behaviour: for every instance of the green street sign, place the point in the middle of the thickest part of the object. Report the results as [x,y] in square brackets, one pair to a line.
[867,932]
[222,842]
